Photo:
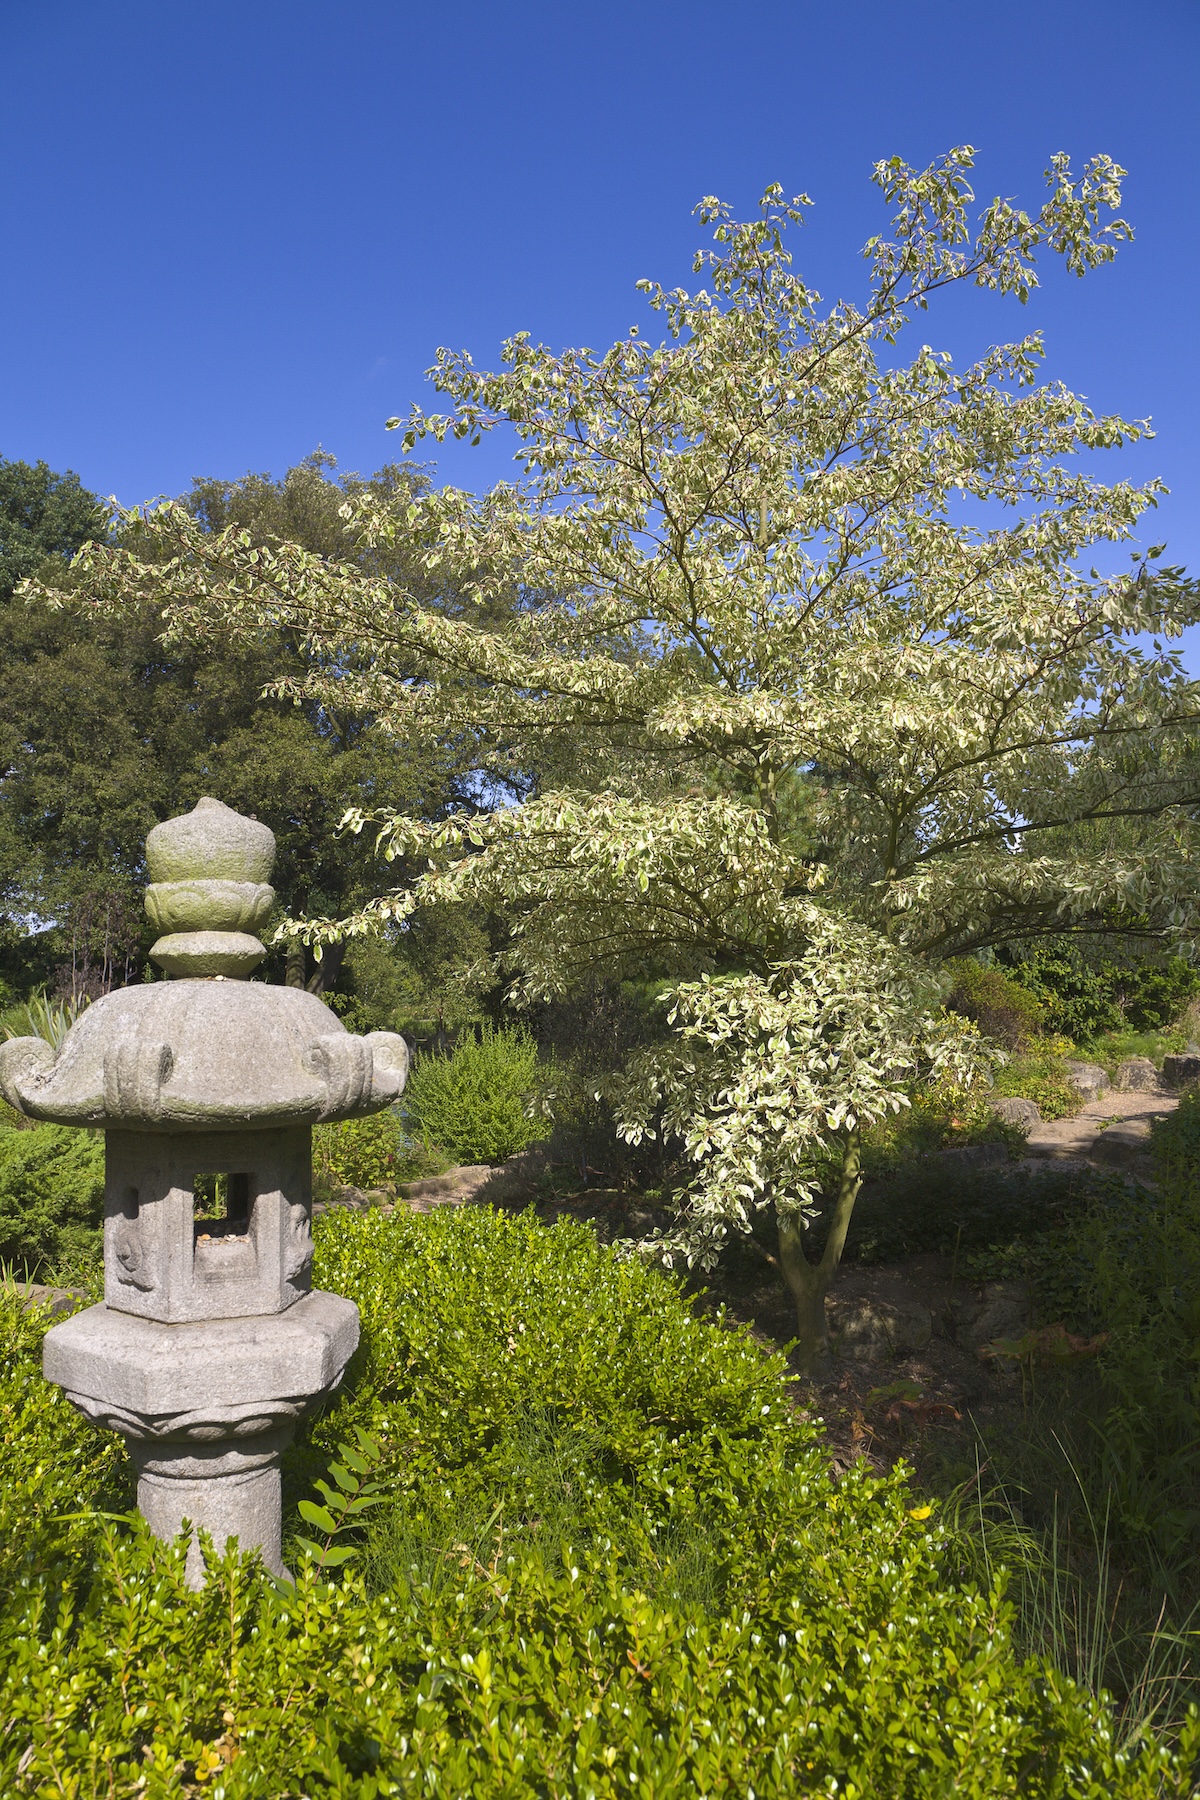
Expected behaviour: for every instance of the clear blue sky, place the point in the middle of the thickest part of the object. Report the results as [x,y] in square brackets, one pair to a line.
[233,232]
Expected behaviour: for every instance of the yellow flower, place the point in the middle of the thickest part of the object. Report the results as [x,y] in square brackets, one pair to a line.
[920,1512]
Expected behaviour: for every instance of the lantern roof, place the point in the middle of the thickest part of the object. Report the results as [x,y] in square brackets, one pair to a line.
[207,1049]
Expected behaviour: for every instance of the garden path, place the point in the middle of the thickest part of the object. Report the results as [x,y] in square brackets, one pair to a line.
[1114,1128]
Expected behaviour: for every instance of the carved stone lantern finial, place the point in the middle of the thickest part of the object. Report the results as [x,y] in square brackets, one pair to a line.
[210,1343]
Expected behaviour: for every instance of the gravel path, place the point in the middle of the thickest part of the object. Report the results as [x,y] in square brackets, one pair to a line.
[1112,1129]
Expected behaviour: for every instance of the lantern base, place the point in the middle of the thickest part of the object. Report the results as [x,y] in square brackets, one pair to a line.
[207,1408]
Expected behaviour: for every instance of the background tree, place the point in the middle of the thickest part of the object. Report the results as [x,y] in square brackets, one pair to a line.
[105,730]
[44,519]
[835,698]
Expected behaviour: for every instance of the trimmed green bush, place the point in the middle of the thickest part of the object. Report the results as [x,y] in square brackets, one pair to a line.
[51,1195]
[667,1595]
[472,1102]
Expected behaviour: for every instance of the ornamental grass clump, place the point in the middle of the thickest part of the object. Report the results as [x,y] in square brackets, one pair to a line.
[602,1557]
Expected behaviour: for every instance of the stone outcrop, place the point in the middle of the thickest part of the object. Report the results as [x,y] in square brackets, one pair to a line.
[872,1330]
[1136,1075]
[1124,1143]
[1179,1072]
[1017,1111]
[1088,1079]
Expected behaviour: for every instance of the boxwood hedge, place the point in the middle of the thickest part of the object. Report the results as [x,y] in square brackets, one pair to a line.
[609,1561]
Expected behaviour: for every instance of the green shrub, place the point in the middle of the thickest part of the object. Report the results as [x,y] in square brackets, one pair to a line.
[813,1645]
[1040,1076]
[369,1153]
[1002,1008]
[51,1195]
[472,1102]
[1087,996]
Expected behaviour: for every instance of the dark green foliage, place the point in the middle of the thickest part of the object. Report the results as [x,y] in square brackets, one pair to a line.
[822,1649]
[1003,1009]
[472,1101]
[1131,1269]
[586,1036]
[948,1205]
[44,518]
[1176,1148]
[1105,1464]
[1086,995]
[51,1194]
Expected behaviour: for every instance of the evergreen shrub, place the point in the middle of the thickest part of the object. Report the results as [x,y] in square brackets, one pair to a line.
[1088,996]
[472,1102]
[51,1195]
[1002,1008]
[667,1595]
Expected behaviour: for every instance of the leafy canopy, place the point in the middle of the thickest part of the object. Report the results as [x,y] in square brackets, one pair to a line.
[805,653]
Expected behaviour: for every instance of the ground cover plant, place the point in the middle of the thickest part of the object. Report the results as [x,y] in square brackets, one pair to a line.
[606,1558]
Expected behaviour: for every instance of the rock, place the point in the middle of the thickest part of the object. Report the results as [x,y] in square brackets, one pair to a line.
[484,1183]
[1179,1072]
[1122,1143]
[1017,1111]
[974,1156]
[872,1330]
[516,1179]
[56,1300]
[452,1188]
[1088,1079]
[1136,1075]
[356,1199]
[999,1309]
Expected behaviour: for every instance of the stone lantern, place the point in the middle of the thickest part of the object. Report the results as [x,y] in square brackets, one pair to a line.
[211,1342]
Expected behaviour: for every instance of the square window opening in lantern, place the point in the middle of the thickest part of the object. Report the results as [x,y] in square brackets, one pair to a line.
[220,1207]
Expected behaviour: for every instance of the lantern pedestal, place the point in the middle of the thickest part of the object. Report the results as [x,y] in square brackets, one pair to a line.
[208,1408]
[230,1488]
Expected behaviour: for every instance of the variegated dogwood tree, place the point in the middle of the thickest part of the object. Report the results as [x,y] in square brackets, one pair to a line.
[807,683]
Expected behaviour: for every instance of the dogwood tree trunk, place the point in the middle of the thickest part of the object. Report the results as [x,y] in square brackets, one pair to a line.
[809,1282]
